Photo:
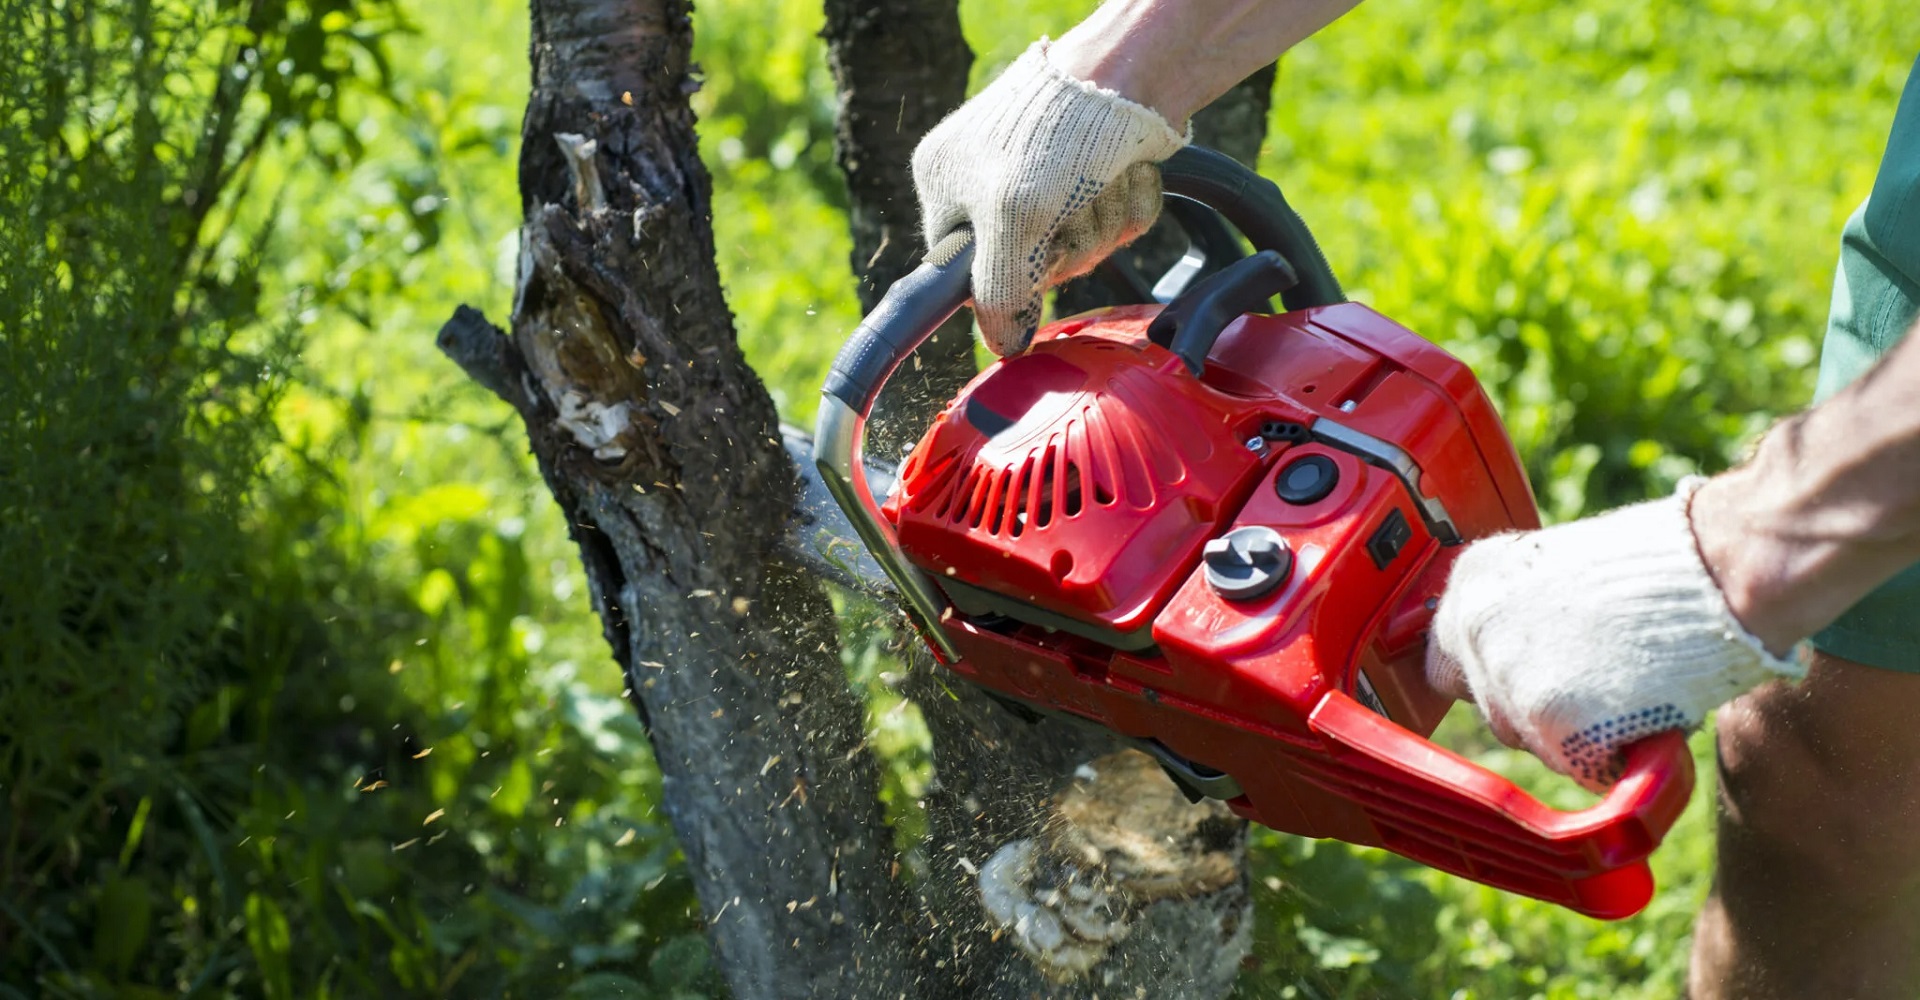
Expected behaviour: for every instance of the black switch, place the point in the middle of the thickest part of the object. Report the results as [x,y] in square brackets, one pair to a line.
[1388,539]
[1307,480]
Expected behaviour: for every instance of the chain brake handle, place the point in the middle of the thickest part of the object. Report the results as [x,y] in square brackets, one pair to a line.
[1390,769]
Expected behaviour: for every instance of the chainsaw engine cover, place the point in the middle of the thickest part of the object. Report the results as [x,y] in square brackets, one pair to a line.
[1073,480]
[1075,487]
[1198,562]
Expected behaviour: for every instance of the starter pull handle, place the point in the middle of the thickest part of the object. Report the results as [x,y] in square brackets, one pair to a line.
[1190,324]
[1445,811]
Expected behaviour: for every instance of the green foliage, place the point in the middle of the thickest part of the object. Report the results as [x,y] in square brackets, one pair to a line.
[136,400]
[779,219]
[275,719]
[1625,215]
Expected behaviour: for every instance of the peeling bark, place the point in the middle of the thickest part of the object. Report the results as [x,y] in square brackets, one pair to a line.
[663,450]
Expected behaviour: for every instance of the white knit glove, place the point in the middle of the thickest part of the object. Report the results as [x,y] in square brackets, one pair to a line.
[1580,639]
[1053,173]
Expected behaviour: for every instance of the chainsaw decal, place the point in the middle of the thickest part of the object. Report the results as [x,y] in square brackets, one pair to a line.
[1364,693]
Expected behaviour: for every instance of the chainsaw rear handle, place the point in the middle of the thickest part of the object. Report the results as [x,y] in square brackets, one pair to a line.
[1466,813]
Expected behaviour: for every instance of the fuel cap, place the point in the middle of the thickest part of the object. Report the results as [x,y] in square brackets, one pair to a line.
[1247,562]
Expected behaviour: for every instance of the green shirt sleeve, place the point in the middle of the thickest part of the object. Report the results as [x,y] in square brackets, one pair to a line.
[1876,296]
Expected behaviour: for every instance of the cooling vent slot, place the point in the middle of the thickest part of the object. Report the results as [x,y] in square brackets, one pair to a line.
[1048,483]
[1108,447]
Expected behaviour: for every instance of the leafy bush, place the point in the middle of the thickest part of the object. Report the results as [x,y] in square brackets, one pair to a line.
[136,400]
[267,725]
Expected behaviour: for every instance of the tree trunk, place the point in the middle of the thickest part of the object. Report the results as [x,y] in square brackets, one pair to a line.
[665,454]
[663,450]
[900,66]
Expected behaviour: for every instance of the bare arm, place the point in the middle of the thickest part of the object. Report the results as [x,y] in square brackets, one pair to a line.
[1827,510]
[1176,56]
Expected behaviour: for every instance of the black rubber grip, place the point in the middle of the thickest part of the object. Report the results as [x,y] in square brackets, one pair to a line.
[917,304]
[1190,324]
[907,315]
[1256,207]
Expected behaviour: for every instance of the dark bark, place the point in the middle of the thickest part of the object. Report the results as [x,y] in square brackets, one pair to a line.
[664,453]
[1236,124]
[663,450]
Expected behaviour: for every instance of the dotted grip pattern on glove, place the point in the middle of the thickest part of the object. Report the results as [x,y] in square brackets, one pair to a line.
[1579,639]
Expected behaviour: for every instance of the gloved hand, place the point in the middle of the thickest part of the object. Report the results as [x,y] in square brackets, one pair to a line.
[1053,174]
[1579,639]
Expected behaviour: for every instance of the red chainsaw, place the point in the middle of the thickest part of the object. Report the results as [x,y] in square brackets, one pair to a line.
[1220,532]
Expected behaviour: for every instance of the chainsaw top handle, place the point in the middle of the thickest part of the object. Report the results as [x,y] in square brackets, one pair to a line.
[917,304]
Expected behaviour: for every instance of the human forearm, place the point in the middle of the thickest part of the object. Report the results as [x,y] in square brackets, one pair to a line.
[1176,56]
[1827,510]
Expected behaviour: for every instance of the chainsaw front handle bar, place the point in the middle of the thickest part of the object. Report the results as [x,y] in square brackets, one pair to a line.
[917,304]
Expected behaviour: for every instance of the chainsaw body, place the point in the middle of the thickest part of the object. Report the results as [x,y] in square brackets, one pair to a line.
[1221,533]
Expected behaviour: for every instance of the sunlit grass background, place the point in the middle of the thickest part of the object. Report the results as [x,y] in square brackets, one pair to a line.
[1623,214]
